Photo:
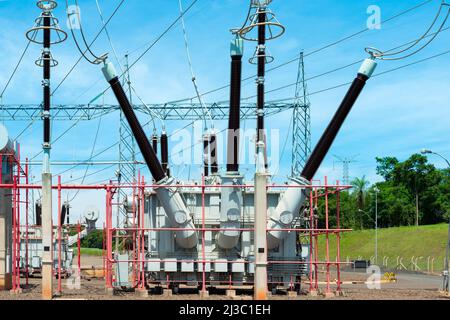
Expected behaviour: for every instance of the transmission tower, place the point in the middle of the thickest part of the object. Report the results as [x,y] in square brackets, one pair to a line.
[346,161]
[127,151]
[301,122]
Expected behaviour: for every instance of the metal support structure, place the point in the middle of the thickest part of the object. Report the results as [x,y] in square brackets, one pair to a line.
[346,161]
[48,25]
[260,287]
[301,134]
[127,153]
[446,273]
[166,111]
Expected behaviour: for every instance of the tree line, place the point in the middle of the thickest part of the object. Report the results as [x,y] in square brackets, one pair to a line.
[413,192]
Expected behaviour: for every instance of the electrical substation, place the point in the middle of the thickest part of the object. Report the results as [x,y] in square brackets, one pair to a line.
[161,232]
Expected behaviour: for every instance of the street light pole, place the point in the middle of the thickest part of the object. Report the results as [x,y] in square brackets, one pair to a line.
[376,224]
[446,273]
[376,229]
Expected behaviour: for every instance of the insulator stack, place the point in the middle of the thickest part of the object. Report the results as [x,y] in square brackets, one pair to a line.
[38,213]
[213,153]
[155,143]
[165,153]
[206,155]
[237,50]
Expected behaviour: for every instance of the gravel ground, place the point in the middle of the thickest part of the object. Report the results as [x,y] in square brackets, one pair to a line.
[408,286]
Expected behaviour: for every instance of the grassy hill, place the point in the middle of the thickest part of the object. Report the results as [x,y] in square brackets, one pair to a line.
[405,242]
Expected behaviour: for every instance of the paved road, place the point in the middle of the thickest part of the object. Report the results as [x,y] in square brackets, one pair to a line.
[411,281]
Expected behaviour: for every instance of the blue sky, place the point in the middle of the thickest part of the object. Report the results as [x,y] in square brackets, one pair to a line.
[397,114]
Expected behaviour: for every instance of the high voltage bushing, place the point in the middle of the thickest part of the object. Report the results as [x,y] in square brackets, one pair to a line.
[234,124]
[205,154]
[165,153]
[295,196]
[213,152]
[38,213]
[168,195]
[325,142]
[147,151]
[155,143]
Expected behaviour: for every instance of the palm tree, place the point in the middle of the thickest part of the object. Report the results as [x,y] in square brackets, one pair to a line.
[360,189]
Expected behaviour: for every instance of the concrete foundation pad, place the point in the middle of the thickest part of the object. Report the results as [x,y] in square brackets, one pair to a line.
[292,294]
[231,293]
[141,292]
[313,293]
[204,294]
[15,291]
[167,293]
[5,282]
[341,293]
[109,291]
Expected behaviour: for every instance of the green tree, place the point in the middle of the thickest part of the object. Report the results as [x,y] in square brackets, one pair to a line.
[360,186]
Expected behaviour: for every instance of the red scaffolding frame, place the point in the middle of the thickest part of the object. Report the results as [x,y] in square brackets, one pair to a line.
[138,230]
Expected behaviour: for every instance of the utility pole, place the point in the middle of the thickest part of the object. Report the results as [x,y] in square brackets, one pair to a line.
[446,273]
[376,190]
[47,24]
[268,28]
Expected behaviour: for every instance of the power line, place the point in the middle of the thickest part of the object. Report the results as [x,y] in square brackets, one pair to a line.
[92,153]
[314,51]
[93,41]
[16,67]
[344,67]
[154,42]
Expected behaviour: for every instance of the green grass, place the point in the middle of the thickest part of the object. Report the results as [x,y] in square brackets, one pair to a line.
[406,242]
[88,252]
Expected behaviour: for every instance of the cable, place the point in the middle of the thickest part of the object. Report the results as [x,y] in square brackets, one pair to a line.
[92,153]
[378,54]
[24,130]
[93,41]
[155,42]
[315,51]
[16,67]
[83,54]
[344,67]
[347,84]
[193,77]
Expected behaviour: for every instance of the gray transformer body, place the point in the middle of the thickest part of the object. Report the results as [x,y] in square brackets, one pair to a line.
[35,250]
[166,260]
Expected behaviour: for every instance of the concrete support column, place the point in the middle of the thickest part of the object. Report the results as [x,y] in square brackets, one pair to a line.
[47,235]
[260,287]
[5,239]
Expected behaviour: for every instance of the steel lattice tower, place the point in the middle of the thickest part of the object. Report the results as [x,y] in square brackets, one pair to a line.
[127,151]
[301,122]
